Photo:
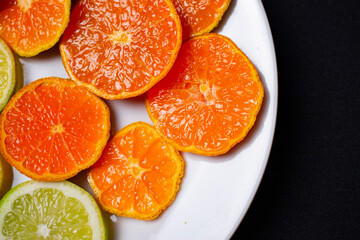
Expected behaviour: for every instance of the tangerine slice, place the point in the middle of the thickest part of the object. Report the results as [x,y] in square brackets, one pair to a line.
[199,17]
[32,26]
[209,100]
[52,129]
[121,49]
[138,174]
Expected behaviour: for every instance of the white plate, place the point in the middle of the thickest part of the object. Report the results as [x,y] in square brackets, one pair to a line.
[216,191]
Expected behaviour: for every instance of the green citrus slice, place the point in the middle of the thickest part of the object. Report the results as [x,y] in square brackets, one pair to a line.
[6,176]
[50,210]
[7,74]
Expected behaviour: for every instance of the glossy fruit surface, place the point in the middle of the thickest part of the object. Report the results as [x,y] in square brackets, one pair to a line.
[138,174]
[42,210]
[121,49]
[32,26]
[210,99]
[52,129]
[199,16]
[7,74]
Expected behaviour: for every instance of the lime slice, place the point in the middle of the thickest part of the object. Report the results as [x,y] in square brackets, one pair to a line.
[50,210]
[7,74]
[6,176]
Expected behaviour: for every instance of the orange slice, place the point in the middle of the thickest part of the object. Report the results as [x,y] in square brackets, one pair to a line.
[32,26]
[52,129]
[199,17]
[138,174]
[209,100]
[121,49]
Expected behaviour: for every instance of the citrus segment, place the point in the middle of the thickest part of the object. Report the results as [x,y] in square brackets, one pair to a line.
[43,210]
[210,99]
[138,174]
[121,49]
[199,17]
[7,74]
[33,26]
[52,129]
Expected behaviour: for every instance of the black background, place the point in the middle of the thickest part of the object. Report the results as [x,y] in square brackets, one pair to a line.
[311,186]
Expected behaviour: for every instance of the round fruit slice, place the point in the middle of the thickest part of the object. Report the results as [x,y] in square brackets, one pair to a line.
[209,100]
[7,74]
[33,26]
[52,129]
[6,176]
[138,174]
[199,17]
[43,210]
[121,49]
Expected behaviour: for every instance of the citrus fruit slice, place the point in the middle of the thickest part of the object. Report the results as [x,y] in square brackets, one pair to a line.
[52,129]
[209,100]
[121,49]
[6,176]
[33,26]
[45,210]
[138,174]
[7,74]
[199,17]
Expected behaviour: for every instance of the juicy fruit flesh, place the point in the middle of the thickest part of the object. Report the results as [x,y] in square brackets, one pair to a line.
[121,37]
[4,72]
[137,172]
[55,128]
[198,16]
[46,214]
[29,25]
[209,98]
[7,74]
[120,47]
[24,4]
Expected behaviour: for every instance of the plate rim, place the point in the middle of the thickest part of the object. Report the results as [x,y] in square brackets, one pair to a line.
[272,130]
